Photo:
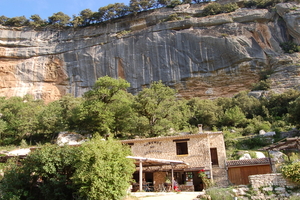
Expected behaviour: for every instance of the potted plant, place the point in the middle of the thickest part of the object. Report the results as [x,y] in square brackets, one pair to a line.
[168,184]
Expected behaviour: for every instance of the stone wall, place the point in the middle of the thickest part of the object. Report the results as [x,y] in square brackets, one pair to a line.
[160,178]
[198,149]
[266,186]
[220,177]
[274,179]
[198,156]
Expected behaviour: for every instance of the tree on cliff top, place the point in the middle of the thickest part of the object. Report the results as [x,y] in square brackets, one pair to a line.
[141,5]
[59,19]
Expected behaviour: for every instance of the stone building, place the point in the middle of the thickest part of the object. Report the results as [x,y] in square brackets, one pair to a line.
[181,157]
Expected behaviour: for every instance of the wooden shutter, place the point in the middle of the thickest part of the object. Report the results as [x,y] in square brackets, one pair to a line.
[214,156]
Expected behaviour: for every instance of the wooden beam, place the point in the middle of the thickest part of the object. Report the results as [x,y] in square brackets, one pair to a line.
[141,176]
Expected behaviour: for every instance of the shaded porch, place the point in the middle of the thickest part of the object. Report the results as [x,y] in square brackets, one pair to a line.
[142,163]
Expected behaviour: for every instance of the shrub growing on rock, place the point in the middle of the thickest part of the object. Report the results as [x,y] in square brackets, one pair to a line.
[212,9]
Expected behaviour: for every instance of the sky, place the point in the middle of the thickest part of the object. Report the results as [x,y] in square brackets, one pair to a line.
[46,8]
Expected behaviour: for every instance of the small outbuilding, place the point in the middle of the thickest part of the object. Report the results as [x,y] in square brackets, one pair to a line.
[240,170]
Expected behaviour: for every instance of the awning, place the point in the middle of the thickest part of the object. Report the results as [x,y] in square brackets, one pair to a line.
[141,161]
[147,162]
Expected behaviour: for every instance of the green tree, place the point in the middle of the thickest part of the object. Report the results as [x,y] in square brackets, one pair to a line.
[225,103]
[112,11]
[3,127]
[249,105]
[96,170]
[77,21]
[51,120]
[98,112]
[20,115]
[233,117]
[86,16]
[141,5]
[3,19]
[103,171]
[15,182]
[57,116]
[204,112]
[17,21]
[59,19]
[158,104]
[294,112]
[278,104]
[124,124]
[169,3]
[36,21]
[69,106]
[44,174]
[255,125]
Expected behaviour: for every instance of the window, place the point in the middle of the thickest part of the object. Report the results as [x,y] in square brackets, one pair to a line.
[130,144]
[214,156]
[181,146]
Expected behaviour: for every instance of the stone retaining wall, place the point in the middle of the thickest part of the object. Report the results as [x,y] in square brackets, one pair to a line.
[265,187]
[263,180]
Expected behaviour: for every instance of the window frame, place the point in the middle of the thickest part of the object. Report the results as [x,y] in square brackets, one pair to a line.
[182,147]
[214,156]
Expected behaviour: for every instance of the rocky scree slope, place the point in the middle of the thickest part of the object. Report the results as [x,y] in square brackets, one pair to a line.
[207,57]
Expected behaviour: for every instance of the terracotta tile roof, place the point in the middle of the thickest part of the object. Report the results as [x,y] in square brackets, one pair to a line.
[256,161]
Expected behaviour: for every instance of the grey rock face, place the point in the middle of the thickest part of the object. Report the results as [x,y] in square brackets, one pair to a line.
[200,56]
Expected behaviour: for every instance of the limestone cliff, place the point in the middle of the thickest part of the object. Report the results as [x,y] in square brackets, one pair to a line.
[200,56]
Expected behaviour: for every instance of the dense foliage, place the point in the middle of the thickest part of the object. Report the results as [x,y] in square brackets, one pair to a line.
[98,169]
[103,171]
[108,109]
[291,171]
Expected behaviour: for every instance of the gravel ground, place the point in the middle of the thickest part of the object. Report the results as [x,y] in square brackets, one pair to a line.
[166,195]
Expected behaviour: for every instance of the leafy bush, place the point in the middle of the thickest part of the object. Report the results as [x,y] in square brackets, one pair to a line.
[262,85]
[233,117]
[14,185]
[173,17]
[260,3]
[229,7]
[250,4]
[255,125]
[103,171]
[216,8]
[290,47]
[291,171]
[97,170]
[264,3]
[212,9]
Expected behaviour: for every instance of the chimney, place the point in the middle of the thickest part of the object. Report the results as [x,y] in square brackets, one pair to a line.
[200,128]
